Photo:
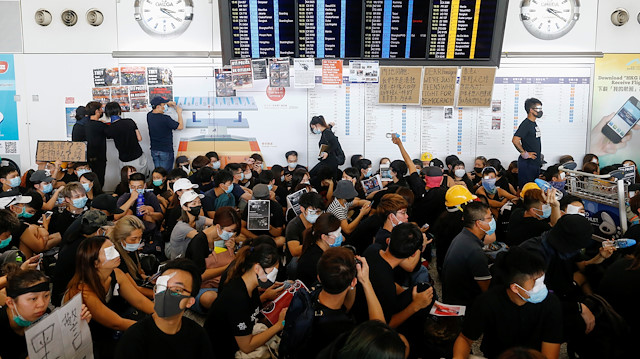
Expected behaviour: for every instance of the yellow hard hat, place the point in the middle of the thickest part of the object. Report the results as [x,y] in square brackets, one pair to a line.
[426,157]
[458,195]
[528,186]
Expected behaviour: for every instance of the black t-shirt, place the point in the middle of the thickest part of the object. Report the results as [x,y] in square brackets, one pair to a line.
[145,340]
[13,346]
[620,287]
[326,329]
[307,270]
[65,267]
[381,238]
[294,232]
[198,251]
[506,325]
[69,177]
[529,134]
[96,140]
[276,217]
[60,222]
[428,205]
[124,137]
[233,314]
[464,264]
[521,228]
[78,132]
[362,236]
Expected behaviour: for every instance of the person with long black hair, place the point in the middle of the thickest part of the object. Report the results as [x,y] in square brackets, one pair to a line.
[332,156]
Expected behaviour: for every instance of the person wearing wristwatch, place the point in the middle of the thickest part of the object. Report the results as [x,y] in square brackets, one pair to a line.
[527,142]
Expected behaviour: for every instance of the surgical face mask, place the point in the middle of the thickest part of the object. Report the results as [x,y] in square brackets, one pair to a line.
[571,209]
[216,165]
[369,172]
[138,191]
[167,303]
[271,278]
[248,176]
[489,185]
[81,171]
[338,238]
[316,131]
[157,183]
[293,165]
[87,187]
[5,242]
[24,213]
[225,236]
[563,176]
[14,182]
[559,185]
[311,216]
[282,178]
[546,210]
[47,188]
[19,319]
[228,190]
[537,294]
[270,187]
[384,166]
[195,211]
[459,172]
[492,227]
[80,202]
[131,247]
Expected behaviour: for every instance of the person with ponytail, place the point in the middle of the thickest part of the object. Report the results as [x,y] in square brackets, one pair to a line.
[212,261]
[106,291]
[28,297]
[233,315]
[324,234]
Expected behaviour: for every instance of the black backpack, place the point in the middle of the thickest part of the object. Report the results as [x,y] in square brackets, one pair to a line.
[301,316]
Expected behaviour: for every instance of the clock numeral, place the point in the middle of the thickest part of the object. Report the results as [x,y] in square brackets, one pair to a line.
[173,25]
[149,19]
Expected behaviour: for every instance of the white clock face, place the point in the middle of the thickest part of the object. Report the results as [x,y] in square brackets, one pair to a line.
[549,19]
[164,18]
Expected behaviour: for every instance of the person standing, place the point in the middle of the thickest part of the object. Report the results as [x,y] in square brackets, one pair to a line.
[96,138]
[126,136]
[161,128]
[527,142]
[331,155]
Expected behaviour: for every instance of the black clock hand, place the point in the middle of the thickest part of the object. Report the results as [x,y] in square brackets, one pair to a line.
[555,12]
[168,12]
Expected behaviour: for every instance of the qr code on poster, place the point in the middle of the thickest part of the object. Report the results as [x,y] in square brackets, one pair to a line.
[9,147]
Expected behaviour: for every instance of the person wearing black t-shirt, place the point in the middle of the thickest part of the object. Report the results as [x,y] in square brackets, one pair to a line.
[324,233]
[96,139]
[126,137]
[332,156]
[527,142]
[521,312]
[310,209]
[429,196]
[338,274]
[233,315]
[276,216]
[167,333]
[538,215]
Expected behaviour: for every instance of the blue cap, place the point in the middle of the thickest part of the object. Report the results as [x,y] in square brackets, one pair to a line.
[158,100]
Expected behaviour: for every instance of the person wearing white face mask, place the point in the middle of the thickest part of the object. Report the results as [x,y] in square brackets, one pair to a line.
[540,212]
[99,281]
[292,165]
[572,205]
[332,155]
[75,202]
[43,183]
[311,207]
[458,176]
[10,178]
[519,313]
[231,320]
[212,250]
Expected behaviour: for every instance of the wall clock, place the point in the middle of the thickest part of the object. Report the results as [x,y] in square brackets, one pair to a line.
[164,19]
[549,19]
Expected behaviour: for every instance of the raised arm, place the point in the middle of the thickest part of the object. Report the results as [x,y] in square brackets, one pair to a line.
[405,156]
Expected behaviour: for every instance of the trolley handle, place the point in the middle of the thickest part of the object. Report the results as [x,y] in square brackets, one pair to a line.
[570,168]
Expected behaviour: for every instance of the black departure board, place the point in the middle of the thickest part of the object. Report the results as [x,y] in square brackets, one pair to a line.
[462,29]
[428,32]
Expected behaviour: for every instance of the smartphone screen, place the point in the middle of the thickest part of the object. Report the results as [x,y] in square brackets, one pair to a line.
[622,122]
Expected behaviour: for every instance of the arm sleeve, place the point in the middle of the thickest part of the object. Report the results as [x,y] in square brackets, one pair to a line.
[552,331]
[171,123]
[207,202]
[416,184]
[522,130]
[479,266]
[291,234]
[240,318]
[152,200]
[198,250]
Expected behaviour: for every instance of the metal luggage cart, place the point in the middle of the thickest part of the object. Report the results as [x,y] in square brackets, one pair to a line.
[609,195]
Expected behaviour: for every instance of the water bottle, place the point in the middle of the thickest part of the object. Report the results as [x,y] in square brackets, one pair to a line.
[139,204]
[620,243]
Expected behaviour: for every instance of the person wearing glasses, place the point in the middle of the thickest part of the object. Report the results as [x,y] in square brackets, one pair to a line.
[167,333]
[527,142]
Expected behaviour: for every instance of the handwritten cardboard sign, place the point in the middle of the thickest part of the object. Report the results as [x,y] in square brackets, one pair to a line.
[400,85]
[65,151]
[62,334]
[439,86]
[476,86]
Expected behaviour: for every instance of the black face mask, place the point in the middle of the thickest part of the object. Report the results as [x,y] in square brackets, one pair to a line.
[477,169]
[538,114]
[167,303]
[195,211]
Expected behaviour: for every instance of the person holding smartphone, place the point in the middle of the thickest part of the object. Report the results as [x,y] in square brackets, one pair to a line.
[527,142]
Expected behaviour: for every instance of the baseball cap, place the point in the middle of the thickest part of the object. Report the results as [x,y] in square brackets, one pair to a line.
[40,176]
[107,203]
[182,159]
[436,163]
[182,184]
[9,200]
[158,100]
[261,191]
[189,196]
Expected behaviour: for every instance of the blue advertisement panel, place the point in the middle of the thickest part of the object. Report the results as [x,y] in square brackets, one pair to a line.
[8,108]
[604,219]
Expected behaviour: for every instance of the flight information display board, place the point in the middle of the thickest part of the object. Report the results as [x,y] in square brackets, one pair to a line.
[436,32]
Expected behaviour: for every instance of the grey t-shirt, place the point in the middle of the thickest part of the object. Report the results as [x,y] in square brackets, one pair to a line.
[178,241]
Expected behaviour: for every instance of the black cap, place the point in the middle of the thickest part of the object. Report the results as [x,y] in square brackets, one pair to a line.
[572,232]
[107,203]
[158,100]
[436,163]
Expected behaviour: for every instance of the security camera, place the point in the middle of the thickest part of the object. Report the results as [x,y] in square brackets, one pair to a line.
[43,17]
